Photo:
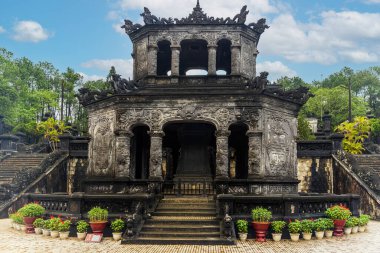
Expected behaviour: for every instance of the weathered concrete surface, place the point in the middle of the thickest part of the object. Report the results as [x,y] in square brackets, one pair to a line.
[12,241]
[315,175]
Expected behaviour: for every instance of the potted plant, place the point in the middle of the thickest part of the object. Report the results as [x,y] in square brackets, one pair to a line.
[98,219]
[294,228]
[19,221]
[307,229]
[117,227]
[355,221]
[242,227]
[363,222]
[54,226]
[30,213]
[64,229]
[261,217]
[46,228]
[277,227]
[82,227]
[329,226]
[319,227]
[348,226]
[339,214]
[13,223]
[38,224]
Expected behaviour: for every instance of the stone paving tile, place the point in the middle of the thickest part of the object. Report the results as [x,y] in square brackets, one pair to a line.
[12,241]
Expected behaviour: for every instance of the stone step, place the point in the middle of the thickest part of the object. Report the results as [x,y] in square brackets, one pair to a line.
[185,213]
[184,200]
[180,241]
[185,208]
[169,228]
[184,221]
[179,234]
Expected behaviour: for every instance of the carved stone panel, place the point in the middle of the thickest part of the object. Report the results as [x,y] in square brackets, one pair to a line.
[247,57]
[222,154]
[123,154]
[141,61]
[155,162]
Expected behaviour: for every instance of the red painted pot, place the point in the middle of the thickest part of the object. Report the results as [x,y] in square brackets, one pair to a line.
[338,227]
[261,229]
[28,221]
[98,227]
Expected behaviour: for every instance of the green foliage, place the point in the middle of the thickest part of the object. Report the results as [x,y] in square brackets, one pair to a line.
[260,214]
[349,223]
[82,226]
[304,129]
[54,223]
[17,218]
[363,219]
[329,223]
[354,220]
[242,226]
[46,224]
[38,223]
[117,225]
[32,210]
[338,212]
[290,83]
[307,226]
[97,214]
[375,127]
[354,134]
[64,226]
[319,224]
[294,227]
[52,129]
[278,226]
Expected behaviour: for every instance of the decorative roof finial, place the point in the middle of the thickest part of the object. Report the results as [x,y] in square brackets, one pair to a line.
[198,4]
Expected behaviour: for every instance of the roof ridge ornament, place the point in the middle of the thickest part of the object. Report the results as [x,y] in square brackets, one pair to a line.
[196,17]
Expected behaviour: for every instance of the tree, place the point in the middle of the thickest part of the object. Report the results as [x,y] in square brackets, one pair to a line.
[289,83]
[304,129]
[52,129]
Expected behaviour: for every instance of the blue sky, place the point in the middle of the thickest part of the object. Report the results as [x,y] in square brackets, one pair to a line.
[310,39]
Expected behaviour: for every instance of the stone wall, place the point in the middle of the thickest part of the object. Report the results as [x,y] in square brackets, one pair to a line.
[315,174]
[76,171]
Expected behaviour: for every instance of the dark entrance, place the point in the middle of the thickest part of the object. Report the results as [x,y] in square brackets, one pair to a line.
[140,144]
[190,150]
[238,151]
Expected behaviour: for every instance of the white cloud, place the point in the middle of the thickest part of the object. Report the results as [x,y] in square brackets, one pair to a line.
[372,1]
[118,29]
[123,67]
[2,29]
[29,31]
[91,77]
[338,36]
[276,70]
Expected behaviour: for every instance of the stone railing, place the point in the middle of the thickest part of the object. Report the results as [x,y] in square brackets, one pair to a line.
[77,146]
[317,148]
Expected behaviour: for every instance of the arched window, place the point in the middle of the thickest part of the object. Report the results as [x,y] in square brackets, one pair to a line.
[194,55]
[223,56]
[164,58]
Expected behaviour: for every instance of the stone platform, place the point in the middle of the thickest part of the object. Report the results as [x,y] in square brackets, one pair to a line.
[12,241]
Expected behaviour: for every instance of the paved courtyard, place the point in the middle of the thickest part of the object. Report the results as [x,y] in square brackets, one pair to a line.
[15,241]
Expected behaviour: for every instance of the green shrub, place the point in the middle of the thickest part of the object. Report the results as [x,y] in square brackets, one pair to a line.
[38,223]
[355,221]
[46,224]
[349,223]
[294,227]
[278,226]
[260,214]
[319,224]
[32,210]
[307,226]
[82,226]
[64,226]
[329,223]
[117,225]
[338,213]
[18,218]
[242,226]
[97,214]
[54,223]
[363,219]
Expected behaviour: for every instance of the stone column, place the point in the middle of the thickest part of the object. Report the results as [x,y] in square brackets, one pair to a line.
[155,161]
[254,63]
[152,60]
[123,153]
[255,166]
[222,154]
[235,60]
[175,60]
[212,60]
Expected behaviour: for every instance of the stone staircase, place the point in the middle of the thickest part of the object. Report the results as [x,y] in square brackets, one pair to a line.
[12,165]
[368,169]
[370,162]
[182,220]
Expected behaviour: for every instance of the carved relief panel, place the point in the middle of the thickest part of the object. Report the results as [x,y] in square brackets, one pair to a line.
[141,58]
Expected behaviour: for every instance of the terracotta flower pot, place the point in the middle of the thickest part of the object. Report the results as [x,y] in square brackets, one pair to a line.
[261,229]
[98,227]
[28,221]
[338,227]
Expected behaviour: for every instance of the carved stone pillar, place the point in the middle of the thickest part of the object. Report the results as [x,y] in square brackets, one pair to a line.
[152,60]
[123,154]
[222,154]
[255,166]
[235,60]
[155,162]
[254,63]
[212,60]
[175,60]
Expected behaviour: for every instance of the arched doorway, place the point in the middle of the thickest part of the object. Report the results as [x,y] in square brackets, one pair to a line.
[140,149]
[189,150]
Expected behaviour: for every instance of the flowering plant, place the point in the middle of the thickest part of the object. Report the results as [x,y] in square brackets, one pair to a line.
[38,223]
[54,223]
[82,226]
[64,226]
[338,212]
